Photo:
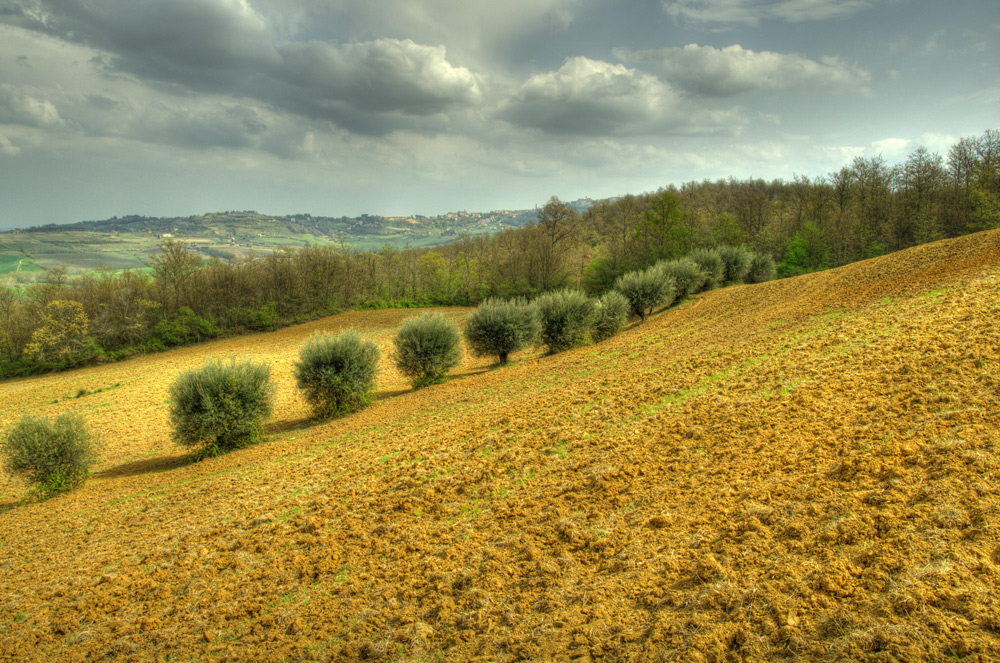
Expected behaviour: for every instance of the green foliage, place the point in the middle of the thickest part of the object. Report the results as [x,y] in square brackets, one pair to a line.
[688,276]
[262,318]
[61,338]
[725,230]
[426,347]
[806,253]
[599,274]
[55,456]
[665,229]
[610,315]
[566,317]
[762,268]
[737,262]
[222,405]
[186,327]
[711,263]
[337,373]
[645,290]
[499,327]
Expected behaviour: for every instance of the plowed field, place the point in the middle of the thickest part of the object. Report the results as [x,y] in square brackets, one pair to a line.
[802,470]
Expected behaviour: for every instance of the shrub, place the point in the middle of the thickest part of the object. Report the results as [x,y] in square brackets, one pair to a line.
[711,263]
[426,347]
[610,316]
[762,268]
[337,373]
[566,317]
[56,456]
[807,252]
[262,318]
[186,327]
[500,327]
[737,261]
[222,405]
[688,276]
[646,290]
[61,340]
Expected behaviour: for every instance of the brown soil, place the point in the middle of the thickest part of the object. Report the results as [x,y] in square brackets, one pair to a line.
[802,470]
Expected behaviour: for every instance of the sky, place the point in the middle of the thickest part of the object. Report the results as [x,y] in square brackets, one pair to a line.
[400,107]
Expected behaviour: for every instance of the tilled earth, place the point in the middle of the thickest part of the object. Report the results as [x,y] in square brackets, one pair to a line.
[803,470]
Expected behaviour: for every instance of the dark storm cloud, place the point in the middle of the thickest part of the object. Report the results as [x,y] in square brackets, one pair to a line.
[372,87]
[187,41]
[222,46]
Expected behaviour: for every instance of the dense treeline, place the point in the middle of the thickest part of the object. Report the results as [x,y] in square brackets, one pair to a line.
[867,208]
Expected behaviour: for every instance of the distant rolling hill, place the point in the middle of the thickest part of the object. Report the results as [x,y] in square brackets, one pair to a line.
[129,241]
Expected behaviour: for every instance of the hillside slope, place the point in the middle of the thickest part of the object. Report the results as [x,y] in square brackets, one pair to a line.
[801,470]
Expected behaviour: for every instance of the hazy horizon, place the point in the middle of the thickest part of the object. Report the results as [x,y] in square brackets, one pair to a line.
[116,107]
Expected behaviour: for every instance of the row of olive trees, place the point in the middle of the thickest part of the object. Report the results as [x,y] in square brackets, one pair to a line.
[222,406]
[668,281]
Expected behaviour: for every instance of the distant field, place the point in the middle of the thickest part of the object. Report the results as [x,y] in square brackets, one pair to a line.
[17,262]
[79,251]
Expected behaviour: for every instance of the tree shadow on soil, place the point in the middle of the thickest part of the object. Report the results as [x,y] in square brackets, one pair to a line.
[392,393]
[276,427]
[144,466]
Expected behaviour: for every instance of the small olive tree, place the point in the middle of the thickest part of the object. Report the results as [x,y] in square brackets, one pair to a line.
[426,348]
[687,275]
[54,455]
[222,405]
[711,263]
[566,318]
[737,261]
[645,290]
[610,315]
[337,373]
[762,268]
[500,327]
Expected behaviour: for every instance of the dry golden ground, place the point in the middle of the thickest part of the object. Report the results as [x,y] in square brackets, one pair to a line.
[803,470]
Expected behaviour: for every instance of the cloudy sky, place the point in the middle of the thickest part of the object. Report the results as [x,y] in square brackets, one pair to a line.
[338,107]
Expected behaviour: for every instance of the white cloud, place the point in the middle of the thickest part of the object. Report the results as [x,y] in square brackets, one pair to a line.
[20,107]
[8,148]
[837,156]
[936,142]
[596,98]
[751,12]
[735,70]
[891,148]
